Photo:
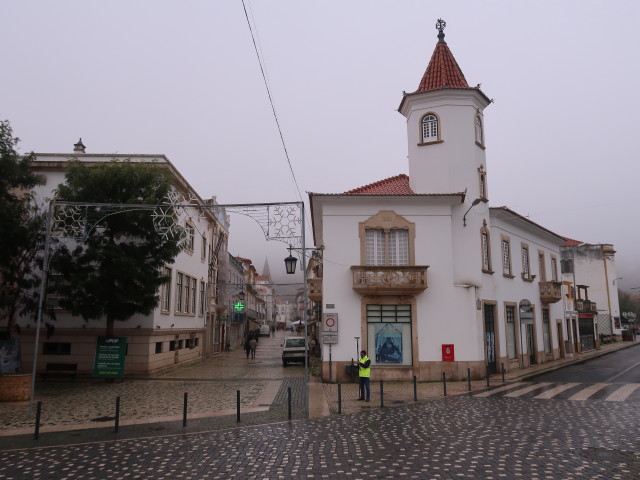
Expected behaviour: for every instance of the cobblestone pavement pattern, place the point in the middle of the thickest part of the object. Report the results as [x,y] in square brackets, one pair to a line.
[211,388]
[461,437]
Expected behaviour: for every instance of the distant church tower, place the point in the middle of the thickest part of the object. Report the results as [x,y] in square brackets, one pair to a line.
[445,129]
[265,270]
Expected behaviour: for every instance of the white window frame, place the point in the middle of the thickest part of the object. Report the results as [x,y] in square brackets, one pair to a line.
[526,267]
[506,257]
[542,267]
[479,130]
[510,322]
[387,248]
[187,294]
[190,240]
[194,296]
[166,291]
[179,291]
[430,128]
[203,296]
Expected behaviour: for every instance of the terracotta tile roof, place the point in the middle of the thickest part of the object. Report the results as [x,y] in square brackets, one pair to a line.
[398,185]
[442,71]
[570,242]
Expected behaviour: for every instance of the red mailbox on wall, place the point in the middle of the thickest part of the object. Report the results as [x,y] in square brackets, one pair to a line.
[448,353]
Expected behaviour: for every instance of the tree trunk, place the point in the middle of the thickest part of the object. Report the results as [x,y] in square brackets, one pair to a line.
[110,327]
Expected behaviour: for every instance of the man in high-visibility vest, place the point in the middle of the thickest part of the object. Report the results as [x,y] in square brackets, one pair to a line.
[364,372]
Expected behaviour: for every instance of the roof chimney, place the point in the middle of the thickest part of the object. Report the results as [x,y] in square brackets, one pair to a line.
[79,147]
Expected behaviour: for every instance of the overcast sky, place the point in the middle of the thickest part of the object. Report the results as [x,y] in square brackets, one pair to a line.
[181,78]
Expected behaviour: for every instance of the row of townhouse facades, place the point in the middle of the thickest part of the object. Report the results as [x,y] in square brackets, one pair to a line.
[425,276]
[195,315]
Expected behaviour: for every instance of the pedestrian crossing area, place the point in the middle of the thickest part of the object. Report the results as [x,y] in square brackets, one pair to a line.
[608,392]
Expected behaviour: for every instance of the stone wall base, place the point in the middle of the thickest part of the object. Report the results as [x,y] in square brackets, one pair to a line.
[426,371]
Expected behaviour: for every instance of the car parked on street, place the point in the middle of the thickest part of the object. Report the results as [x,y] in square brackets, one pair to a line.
[293,350]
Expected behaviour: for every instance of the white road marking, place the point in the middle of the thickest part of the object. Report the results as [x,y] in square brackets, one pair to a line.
[623,392]
[555,391]
[522,391]
[587,392]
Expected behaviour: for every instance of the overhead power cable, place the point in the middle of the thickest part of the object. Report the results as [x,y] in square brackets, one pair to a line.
[273,108]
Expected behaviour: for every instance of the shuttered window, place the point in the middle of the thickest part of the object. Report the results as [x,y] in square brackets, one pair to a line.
[379,244]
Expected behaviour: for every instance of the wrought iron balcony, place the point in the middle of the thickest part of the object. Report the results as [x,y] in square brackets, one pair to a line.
[389,279]
[314,286]
[586,306]
[550,292]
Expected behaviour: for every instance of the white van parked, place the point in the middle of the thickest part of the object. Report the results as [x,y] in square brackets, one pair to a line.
[265,330]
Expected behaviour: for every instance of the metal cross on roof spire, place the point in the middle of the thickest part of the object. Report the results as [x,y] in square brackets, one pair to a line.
[440,25]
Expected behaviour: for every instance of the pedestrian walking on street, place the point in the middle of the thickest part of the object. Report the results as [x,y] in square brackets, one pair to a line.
[247,346]
[364,372]
[252,345]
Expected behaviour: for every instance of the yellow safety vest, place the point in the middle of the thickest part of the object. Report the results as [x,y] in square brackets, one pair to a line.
[364,372]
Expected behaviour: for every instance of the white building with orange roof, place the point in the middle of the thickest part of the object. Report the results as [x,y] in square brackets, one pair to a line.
[420,272]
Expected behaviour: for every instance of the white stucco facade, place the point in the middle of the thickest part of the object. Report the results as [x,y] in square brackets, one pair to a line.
[469,314]
[180,330]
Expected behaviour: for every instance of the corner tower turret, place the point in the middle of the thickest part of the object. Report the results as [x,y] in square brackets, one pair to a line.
[445,128]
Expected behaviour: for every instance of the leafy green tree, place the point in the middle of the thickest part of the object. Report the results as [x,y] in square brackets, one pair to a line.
[117,271]
[21,229]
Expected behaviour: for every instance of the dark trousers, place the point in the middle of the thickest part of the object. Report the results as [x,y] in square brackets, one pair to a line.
[364,385]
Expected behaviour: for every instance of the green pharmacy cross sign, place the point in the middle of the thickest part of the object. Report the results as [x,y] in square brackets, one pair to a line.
[239,307]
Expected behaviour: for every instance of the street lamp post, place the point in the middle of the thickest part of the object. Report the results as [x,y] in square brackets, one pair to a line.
[46,260]
[290,264]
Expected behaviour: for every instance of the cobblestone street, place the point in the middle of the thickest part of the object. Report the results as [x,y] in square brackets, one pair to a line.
[460,437]
[211,388]
[512,431]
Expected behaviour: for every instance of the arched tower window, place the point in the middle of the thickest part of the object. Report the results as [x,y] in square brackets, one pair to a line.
[430,129]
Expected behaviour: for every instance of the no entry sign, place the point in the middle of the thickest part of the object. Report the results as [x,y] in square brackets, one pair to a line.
[330,322]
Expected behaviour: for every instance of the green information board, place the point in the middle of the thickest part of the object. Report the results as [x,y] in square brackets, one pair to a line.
[110,353]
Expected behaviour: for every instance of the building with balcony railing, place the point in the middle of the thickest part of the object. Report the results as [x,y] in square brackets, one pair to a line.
[420,271]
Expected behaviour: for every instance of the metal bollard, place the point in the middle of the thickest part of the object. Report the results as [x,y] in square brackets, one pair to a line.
[36,434]
[238,406]
[444,383]
[116,428]
[503,371]
[184,410]
[469,378]
[381,394]
[487,376]
[415,389]
[289,402]
[339,398]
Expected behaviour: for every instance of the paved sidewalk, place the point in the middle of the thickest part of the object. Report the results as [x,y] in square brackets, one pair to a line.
[532,371]
[212,388]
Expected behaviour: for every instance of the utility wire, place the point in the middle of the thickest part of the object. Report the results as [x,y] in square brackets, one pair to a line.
[273,108]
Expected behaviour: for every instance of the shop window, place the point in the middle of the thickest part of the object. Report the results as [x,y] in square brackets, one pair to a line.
[389,334]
